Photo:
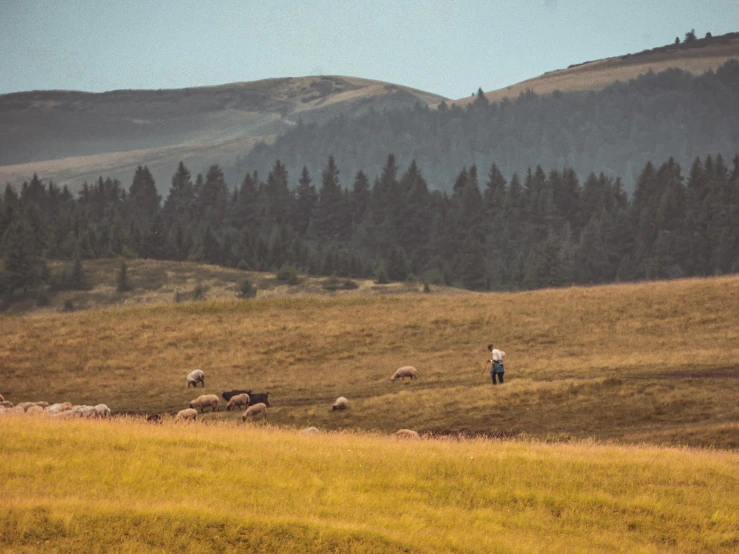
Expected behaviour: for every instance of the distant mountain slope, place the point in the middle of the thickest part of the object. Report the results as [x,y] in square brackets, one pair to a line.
[695,57]
[75,136]
[615,130]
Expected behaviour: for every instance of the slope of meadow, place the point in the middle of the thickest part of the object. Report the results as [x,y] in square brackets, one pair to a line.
[651,362]
[87,486]
[697,57]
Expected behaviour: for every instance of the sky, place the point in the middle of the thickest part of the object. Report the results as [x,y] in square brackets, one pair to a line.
[442,46]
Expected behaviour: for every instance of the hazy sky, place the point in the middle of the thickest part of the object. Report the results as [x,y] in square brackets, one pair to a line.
[446,47]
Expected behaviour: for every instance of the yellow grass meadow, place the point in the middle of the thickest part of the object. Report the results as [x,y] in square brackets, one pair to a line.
[125,486]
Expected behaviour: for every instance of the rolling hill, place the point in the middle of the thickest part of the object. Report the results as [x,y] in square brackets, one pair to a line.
[75,136]
[696,57]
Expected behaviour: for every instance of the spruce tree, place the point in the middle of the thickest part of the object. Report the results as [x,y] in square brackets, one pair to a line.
[122,278]
[143,196]
[306,199]
[332,213]
[18,257]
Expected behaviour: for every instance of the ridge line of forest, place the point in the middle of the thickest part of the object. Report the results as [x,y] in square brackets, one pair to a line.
[615,130]
[544,230]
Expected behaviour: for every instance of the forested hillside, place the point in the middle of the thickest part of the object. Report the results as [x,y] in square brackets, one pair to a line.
[615,131]
[539,230]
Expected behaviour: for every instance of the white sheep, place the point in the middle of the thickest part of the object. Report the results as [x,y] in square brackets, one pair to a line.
[194,377]
[82,410]
[102,411]
[7,404]
[241,400]
[310,431]
[35,410]
[188,414]
[341,404]
[58,407]
[407,434]
[26,405]
[255,410]
[405,371]
[205,401]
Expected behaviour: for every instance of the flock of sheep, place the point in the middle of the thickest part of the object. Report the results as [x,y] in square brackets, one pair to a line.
[60,409]
[254,404]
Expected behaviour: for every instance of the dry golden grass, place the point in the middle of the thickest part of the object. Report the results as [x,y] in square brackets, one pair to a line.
[123,486]
[607,362]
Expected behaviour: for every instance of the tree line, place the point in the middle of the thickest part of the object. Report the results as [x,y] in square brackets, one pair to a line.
[533,230]
[615,130]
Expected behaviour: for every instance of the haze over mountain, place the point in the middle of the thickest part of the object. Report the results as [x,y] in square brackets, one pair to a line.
[73,137]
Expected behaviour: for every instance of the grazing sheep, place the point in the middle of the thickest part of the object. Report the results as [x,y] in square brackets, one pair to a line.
[81,411]
[254,398]
[187,414]
[154,418]
[259,397]
[340,404]
[6,404]
[42,404]
[102,411]
[26,405]
[35,410]
[407,434]
[310,431]
[58,407]
[194,377]
[241,400]
[405,371]
[205,401]
[255,410]
[228,395]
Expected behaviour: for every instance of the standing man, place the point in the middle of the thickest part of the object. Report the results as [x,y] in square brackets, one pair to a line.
[496,361]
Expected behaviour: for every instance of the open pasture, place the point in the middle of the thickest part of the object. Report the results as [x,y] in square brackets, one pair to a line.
[651,362]
[125,486]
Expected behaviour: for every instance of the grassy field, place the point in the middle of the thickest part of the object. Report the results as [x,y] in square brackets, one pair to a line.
[157,282]
[639,363]
[124,486]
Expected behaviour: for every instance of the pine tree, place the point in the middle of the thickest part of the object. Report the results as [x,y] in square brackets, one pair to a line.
[397,264]
[306,200]
[154,243]
[413,223]
[384,191]
[212,197]
[122,278]
[18,257]
[332,212]
[360,198]
[180,203]
[143,195]
[78,280]
[278,194]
